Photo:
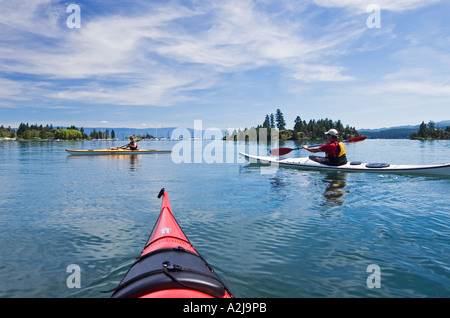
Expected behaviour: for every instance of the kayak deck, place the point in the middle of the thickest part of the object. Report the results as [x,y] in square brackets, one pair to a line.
[307,163]
[115,151]
[169,266]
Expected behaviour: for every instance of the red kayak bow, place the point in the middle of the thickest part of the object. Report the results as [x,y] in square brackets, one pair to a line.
[169,266]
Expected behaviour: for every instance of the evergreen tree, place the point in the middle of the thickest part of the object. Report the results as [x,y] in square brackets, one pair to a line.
[422,130]
[313,130]
[266,123]
[298,124]
[281,123]
[272,121]
[21,130]
[430,131]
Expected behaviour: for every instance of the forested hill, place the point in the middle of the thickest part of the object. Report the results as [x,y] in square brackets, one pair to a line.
[301,129]
[400,132]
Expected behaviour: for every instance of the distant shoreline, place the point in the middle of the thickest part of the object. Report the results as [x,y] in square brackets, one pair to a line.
[398,132]
[190,139]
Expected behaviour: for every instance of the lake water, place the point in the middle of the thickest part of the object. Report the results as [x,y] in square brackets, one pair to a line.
[289,233]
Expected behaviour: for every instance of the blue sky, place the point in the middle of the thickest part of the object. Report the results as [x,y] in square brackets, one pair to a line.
[228,63]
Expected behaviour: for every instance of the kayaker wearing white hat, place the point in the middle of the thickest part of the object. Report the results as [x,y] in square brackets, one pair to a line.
[334,149]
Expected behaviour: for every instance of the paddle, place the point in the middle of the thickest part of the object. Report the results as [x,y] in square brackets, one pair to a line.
[123,145]
[284,151]
[117,148]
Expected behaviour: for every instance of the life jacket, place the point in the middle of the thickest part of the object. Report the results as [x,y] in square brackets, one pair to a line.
[340,158]
[133,145]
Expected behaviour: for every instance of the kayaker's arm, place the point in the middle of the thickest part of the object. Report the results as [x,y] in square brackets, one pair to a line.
[312,149]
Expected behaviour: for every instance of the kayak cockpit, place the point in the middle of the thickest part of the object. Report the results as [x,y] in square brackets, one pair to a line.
[170,269]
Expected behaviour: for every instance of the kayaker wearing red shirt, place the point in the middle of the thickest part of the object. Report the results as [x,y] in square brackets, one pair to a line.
[334,149]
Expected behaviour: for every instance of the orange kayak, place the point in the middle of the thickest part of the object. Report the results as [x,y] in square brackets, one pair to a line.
[115,151]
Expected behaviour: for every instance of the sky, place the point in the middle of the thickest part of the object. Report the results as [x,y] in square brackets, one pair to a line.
[228,63]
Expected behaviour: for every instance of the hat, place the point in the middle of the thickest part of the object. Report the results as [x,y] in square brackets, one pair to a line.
[332,132]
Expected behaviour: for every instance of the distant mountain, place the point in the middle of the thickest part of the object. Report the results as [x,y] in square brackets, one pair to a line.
[124,133]
[389,133]
[443,124]
[398,132]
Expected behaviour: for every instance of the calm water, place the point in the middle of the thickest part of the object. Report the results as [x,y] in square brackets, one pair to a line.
[290,233]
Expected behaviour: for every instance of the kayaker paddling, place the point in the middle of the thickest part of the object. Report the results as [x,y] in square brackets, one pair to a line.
[334,149]
[132,145]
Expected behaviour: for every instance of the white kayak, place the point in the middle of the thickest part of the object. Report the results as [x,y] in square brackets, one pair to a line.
[115,151]
[307,163]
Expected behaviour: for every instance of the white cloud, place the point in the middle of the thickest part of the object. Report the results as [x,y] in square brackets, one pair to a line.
[162,54]
[34,17]
[321,73]
[361,5]
[107,45]
[419,88]
[242,37]
[11,89]
[136,59]
[161,90]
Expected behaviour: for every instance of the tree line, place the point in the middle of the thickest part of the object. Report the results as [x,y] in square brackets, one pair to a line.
[303,130]
[430,131]
[102,134]
[7,132]
[27,132]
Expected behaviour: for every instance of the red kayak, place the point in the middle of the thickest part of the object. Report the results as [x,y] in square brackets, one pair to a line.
[169,266]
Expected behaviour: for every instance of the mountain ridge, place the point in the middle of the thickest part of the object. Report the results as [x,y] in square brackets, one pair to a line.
[441,124]
[397,132]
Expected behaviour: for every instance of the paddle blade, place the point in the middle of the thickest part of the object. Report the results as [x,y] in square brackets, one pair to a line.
[280,151]
[356,139]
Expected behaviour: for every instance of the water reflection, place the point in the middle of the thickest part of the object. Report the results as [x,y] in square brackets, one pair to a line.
[335,181]
[277,182]
[334,192]
[132,160]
